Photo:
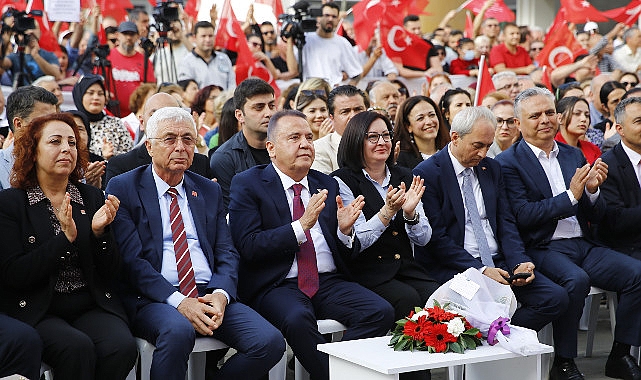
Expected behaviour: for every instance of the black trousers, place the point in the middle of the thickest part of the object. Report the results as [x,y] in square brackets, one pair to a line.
[82,341]
[20,349]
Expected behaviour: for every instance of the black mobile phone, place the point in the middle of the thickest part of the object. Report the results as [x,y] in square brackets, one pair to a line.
[517,276]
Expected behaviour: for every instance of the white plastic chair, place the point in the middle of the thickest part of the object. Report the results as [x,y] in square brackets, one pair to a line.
[595,301]
[325,326]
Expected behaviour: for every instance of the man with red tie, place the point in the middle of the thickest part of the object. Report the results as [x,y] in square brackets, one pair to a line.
[294,234]
[179,261]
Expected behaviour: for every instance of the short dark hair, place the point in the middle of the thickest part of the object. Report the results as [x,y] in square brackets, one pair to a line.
[135,13]
[273,126]
[202,24]
[22,101]
[249,88]
[350,151]
[332,5]
[264,23]
[619,112]
[346,90]
[410,18]
[111,30]
[607,88]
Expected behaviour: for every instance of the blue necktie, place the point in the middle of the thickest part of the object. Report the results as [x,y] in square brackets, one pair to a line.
[475,219]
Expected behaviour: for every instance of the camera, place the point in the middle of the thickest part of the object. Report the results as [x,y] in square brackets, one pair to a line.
[22,20]
[165,13]
[101,51]
[295,26]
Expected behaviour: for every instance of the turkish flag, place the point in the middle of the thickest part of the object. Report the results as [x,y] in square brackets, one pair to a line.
[561,47]
[484,84]
[15,4]
[627,15]
[277,6]
[367,15]
[405,47]
[545,77]
[580,11]
[498,10]
[469,25]
[230,34]
[192,7]
[47,40]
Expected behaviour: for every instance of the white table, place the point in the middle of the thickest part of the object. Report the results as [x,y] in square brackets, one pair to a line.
[372,359]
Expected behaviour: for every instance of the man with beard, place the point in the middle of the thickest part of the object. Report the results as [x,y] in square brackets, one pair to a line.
[128,66]
[385,96]
[327,55]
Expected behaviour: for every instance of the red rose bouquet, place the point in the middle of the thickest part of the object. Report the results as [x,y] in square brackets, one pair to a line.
[434,330]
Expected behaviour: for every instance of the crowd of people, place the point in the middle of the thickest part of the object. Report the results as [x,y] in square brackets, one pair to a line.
[176,201]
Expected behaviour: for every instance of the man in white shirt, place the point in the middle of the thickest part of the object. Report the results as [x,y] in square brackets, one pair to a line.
[327,55]
[555,197]
[629,55]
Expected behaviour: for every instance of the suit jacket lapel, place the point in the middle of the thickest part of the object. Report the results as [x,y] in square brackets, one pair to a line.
[454,194]
[274,190]
[532,166]
[148,195]
[628,175]
[487,189]
[568,168]
[198,207]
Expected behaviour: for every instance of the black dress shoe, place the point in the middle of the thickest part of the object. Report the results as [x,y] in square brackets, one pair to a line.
[624,367]
[565,371]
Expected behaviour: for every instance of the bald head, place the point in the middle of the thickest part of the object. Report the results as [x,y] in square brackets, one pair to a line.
[154,103]
[386,96]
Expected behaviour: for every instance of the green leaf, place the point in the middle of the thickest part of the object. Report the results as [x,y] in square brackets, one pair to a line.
[455,347]
[472,331]
[436,303]
[467,341]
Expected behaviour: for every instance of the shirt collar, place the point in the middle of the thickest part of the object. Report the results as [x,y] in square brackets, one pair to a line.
[287,181]
[162,186]
[540,153]
[458,168]
[35,194]
[386,181]
[632,155]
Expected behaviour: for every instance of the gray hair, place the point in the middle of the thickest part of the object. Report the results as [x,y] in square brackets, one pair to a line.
[480,39]
[628,33]
[527,94]
[44,78]
[503,75]
[619,112]
[274,121]
[464,121]
[168,115]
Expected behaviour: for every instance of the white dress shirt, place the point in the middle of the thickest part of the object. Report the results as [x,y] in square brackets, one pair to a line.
[324,258]
[470,243]
[569,227]
[199,262]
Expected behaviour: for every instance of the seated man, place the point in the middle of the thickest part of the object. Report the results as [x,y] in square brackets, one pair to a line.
[621,228]
[180,262]
[471,229]
[292,232]
[555,195]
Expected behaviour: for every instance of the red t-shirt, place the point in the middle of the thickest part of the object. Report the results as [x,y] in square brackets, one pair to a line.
[127,73]
[461,67]
[589,150]
[500,54]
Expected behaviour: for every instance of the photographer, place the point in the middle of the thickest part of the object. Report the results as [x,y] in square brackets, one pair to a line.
[37,62]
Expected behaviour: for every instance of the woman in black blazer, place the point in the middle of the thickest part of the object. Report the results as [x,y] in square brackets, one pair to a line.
[392,221]
[58,258]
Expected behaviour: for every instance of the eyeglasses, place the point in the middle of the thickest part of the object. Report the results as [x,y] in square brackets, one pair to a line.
[256,44]
[268,32]
[536,49]
[509,122]
[509,86]
[319,93]
[170,141]
[374,137]
[626,84]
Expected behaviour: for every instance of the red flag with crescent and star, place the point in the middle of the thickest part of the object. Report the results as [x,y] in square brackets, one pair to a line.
[561,47]
[627,15]
[229,33]
[581,11]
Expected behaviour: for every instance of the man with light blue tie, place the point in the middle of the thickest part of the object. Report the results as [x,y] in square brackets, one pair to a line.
[472,228]
[180,264]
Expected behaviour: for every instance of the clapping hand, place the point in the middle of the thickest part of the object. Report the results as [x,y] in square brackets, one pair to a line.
[347,215]
[412,196]
[65,216]
[105,215]
[596,176]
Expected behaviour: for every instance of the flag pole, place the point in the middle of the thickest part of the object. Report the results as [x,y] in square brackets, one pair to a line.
[465,4]
[479,80]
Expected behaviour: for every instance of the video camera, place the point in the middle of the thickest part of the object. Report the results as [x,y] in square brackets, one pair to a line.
[165,12]
[303,20]
[21,23]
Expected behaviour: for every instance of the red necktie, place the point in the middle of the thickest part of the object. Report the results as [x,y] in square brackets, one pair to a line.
[306,256]
[186,278]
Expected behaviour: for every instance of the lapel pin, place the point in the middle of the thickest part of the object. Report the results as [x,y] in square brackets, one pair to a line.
[83,212]
[483,168]
[194,194]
